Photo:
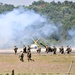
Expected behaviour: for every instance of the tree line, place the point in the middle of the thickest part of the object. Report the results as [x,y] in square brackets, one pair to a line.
[57,12]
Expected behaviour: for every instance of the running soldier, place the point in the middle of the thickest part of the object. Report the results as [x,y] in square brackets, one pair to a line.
[68,50]
[15,49]
[28,48]
[54,50]
[24,49]
[61,50]
[21,56]
[47,48]
[39,50]
[29,55]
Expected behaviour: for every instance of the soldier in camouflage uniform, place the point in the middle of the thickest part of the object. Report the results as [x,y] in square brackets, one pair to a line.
[15,49]
[47,48]
[28,48]
[39,50]
[61,50]
[68,50]
[54,49]
[21,56]
[29,54]
[24,49]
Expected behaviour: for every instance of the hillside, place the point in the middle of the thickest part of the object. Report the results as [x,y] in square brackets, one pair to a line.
[53,23]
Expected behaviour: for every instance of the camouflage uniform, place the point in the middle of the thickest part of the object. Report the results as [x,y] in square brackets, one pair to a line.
[29,55]
[21,56]
[54,50]
[61,50]
[68,50]
[24,49]
[47,48]
[15,49]
[38,50]
[28,49]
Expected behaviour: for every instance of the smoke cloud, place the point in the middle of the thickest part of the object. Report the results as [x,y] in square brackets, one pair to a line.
[18,26]
[71,34]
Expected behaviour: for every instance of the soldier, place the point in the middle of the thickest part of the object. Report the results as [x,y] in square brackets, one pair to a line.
[28,49]
[39,50]
[47,48]
[24,49]
[68,50]
[15,49]
[54,50]
[21,56]
[29,55]
[61,50]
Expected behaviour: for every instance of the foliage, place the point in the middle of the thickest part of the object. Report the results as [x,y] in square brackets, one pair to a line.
[63,13]
[60,12]
[6,7]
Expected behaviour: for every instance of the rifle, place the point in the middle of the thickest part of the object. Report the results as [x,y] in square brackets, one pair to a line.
[43,45]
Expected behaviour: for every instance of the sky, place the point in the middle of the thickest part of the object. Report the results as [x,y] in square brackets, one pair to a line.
[26,2]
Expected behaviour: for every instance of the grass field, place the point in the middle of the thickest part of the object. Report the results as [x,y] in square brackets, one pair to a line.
[43,63]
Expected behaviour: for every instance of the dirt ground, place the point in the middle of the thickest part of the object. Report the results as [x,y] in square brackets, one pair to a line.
[43,63]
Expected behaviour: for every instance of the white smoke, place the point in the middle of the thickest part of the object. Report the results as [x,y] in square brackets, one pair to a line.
[71,33]
[18,26]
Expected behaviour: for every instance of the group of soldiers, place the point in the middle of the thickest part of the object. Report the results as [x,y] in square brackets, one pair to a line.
[68,50]
[54,49]
[61,49]
[27,50]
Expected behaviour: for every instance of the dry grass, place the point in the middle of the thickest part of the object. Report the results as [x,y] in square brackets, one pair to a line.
[44,63]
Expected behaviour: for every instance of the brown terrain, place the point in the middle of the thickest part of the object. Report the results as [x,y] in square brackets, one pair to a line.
[43,63]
